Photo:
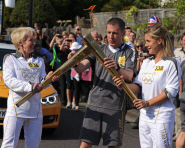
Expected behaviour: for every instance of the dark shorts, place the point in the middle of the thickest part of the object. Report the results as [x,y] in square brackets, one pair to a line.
[182,111]
[103,123]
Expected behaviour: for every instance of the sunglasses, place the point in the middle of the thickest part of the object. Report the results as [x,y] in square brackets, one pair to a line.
[78,29]
[140,46]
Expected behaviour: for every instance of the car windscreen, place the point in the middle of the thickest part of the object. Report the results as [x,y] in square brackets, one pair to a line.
[3,52]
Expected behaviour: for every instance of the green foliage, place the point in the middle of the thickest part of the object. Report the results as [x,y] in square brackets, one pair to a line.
[119,5]
[175,22]
[130,13]
[6,16]
[69,9]
[42,12]
[171,23]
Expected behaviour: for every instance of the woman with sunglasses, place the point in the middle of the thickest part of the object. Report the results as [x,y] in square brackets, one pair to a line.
[139,48]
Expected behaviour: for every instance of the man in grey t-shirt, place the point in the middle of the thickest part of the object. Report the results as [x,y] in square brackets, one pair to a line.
[105,113]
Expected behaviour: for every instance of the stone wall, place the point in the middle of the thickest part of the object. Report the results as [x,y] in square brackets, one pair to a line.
[99,20]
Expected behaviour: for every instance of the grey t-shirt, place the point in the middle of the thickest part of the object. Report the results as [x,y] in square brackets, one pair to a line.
[105,93]
[183,74]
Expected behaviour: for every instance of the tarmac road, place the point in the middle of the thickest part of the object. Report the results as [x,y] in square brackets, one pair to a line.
[67,134]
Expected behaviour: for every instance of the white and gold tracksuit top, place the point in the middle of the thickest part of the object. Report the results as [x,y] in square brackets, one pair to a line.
[19,76]
[154,78]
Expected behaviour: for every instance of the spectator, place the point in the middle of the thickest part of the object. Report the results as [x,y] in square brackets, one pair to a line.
[132,37]
[40,51]
[65,34]
[38,31]
[139,48]
[36,25]
[67,44]
[180,143]
[79,36]
[37,39]
[100,38]
[82,81]
[179,52]
[95,35]
[45,39]
[44,56]
[105,39]
[62,52]
[46,25]
[127,32]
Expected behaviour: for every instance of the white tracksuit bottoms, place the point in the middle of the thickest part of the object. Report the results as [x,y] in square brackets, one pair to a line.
[156,135]
[12,127]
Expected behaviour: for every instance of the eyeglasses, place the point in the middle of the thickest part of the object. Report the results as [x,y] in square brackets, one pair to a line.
[78,29]
[140,46]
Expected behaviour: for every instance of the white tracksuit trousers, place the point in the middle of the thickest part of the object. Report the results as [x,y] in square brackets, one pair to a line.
[155,135]
[12,127]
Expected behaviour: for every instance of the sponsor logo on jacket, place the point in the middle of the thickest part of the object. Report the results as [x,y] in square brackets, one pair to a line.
[33,65]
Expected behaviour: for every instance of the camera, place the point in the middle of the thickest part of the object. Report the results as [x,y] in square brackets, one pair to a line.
[69,40]
[65,44]
[143,55]
[60,36]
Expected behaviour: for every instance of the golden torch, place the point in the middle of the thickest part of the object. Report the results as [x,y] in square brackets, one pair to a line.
[100,55]
[80,55]
[90,47]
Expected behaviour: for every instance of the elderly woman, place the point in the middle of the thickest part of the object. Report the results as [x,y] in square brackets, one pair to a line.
[23,73]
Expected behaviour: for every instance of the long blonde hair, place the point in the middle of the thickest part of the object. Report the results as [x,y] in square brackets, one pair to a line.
[157,31]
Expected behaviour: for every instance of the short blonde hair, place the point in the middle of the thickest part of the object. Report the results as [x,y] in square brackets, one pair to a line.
[157,31]
[65,33]
[20,35]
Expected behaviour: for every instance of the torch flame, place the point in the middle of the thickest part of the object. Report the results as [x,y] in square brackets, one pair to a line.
[91,8]
[94,19]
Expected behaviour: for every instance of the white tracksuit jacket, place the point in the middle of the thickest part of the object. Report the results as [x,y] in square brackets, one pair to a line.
[19,76]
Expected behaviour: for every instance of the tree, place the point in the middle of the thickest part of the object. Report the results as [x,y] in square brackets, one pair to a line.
[69,9]
[119,5]
[177,21]
[42,12]
[6,16]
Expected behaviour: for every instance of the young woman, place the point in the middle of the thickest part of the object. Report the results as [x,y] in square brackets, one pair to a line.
[22,73]
[62,51]
[139,48]
[160,84]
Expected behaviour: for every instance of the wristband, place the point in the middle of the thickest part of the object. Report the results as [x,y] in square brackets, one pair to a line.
[118,67]
[147,104]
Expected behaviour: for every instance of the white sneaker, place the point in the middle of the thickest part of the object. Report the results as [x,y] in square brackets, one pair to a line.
[68,105]
[77,77]
[73,105]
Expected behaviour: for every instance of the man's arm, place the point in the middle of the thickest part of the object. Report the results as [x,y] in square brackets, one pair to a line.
[180,86]
[82,66]
[126,73]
